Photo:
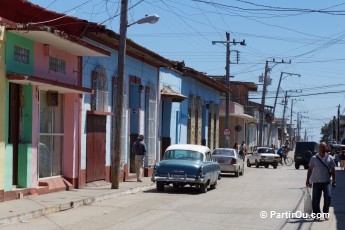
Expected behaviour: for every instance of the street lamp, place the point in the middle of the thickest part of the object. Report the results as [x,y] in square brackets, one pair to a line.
[117,140]
[152,19]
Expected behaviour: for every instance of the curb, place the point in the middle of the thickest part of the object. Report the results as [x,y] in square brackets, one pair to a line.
[25,217]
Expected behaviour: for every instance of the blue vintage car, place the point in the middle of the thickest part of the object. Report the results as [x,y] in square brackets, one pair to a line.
[186,164]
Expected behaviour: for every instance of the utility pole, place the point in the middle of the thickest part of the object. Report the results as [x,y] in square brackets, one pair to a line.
[300,121]
[297,126]
[290,133]
[117,143]
[227,95]
[283,122]
[227,80]
[261,123]
[338,127]
[275,101]
[334,130]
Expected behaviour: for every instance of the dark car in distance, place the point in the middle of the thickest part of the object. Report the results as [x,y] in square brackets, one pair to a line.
[303,152]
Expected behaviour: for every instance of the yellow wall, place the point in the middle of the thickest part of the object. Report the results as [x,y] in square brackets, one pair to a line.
[2,109]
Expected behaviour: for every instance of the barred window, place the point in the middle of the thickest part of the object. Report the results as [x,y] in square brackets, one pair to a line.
[150,116]
[100,86]
[57,65]
[21,54]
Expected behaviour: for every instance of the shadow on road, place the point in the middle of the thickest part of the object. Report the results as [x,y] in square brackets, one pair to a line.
[338,201]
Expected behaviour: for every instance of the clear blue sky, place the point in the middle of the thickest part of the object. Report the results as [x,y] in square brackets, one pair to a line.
[309,33]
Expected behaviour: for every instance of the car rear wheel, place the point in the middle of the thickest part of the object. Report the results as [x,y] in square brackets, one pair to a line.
[237,174]
[248,164]
[296,166]
[160,186]
[242,172]
[306,167]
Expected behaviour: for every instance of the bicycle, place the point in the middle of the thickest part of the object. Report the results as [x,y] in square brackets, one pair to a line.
[288,161]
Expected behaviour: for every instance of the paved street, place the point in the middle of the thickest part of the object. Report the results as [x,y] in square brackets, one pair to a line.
[235,204]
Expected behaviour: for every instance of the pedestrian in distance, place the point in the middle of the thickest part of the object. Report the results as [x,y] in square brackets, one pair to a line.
[235,147]
[139,149]
[282,152]
[243,150]
[321,168]
[342,160]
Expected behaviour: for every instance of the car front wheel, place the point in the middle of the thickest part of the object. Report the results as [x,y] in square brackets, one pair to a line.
[257,164]
[160,186]
[248,164]
[275,165]
[213,186]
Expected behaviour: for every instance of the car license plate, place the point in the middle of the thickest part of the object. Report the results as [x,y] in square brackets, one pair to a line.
[177,176]
[270,158]
[221,161]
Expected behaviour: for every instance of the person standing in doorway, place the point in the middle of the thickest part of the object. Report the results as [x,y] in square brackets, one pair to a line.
[139,149]
[321,168]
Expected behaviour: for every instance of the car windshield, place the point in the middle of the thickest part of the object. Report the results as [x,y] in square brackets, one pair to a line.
[223,152]
[183,155]
[266,151]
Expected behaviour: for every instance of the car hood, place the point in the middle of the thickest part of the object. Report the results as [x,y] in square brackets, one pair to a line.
[178,166]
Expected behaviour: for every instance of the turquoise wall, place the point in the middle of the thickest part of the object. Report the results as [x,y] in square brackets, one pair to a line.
[8,167]
[24,165]
[14,66]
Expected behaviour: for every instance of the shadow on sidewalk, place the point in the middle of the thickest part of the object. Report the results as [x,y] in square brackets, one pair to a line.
[338,199]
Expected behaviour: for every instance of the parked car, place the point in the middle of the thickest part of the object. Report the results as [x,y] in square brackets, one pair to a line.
[263,156]
[303,152]
[229,160]
[186,164]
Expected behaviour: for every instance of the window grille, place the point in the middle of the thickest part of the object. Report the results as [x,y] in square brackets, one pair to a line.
[191,120]
[21,55]
[100,87]
[151,121]
[57,65]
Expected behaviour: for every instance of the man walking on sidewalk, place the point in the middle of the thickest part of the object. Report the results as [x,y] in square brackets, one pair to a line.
[321,167]
[139,149]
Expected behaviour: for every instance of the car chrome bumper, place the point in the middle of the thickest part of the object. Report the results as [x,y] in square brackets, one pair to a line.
[268,161]
[228,167]
[179,180]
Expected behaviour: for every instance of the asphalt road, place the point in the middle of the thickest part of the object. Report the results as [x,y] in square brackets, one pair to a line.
[237,203]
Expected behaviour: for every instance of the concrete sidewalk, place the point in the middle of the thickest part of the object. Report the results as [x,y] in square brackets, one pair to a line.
[39,205]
